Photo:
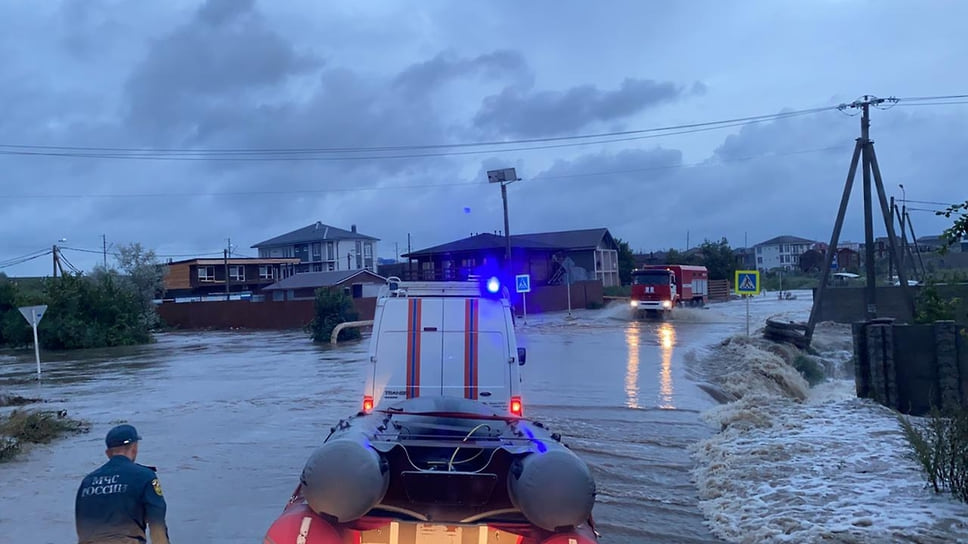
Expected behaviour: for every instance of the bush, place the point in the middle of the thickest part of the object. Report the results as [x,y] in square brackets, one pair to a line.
[940,445]
[931,306]
[34,427]
[810,369]
[332,308]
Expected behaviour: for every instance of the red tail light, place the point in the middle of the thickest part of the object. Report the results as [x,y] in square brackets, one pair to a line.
[367,404]
[516,407]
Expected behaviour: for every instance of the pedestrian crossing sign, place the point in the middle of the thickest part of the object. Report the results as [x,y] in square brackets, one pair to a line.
[523,283]
[747,282]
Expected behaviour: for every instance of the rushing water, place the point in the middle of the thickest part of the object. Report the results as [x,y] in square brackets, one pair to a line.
[230,418]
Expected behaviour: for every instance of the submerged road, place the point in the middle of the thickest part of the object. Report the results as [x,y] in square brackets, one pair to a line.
[230,418]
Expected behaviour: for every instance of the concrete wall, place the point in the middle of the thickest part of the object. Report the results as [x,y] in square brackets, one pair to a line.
[846,304]
[912,368]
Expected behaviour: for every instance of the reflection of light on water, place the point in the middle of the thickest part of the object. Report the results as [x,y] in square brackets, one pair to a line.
[667,339]
[632,368]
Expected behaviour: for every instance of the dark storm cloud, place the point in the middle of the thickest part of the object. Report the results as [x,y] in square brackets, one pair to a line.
[518,112]
[199,74]
[446,66]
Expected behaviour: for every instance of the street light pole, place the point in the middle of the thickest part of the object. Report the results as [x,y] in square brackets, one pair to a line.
[505,176]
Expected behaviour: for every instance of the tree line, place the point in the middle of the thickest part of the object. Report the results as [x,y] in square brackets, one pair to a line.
[108,307]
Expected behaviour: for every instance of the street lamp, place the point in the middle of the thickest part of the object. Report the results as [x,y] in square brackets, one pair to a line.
[504,176]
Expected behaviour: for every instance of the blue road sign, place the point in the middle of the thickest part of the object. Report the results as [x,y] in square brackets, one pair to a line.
[522,283]
[747,282]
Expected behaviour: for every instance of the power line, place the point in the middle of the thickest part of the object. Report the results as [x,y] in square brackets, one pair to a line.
[933,103]
[703,163]
[916,98]
[146,152]
[263,157]
[929,202]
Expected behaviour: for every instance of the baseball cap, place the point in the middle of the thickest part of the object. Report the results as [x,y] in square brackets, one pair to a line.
[121,435]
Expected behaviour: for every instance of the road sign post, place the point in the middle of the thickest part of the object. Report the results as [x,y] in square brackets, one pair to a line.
[33,315]
[747,284]
[522,284]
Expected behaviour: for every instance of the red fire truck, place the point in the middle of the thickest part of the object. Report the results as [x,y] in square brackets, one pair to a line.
[658,288]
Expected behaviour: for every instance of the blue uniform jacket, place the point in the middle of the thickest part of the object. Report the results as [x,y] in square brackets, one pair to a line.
[115,503]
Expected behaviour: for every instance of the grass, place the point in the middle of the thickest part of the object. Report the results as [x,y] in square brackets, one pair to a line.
[34,427]
[15,400]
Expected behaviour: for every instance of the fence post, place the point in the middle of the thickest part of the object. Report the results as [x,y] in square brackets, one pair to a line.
[890,370]
[875,357]
[862,362]
[945,337]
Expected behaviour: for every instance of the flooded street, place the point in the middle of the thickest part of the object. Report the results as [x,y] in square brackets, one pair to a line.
[230,418]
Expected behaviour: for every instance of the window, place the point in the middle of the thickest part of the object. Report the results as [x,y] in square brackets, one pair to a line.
[330,267]
[206,273]
[266,272]
[317,251]
[759,250]
[368,250]
[329,251]
[759,260]
[237,273]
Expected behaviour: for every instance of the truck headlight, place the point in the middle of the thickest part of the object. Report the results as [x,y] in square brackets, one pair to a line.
[667,304]
[634,303]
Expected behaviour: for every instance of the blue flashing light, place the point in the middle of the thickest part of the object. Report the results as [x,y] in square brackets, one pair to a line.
[493,285]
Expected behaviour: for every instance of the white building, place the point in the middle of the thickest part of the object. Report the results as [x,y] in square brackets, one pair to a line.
[781,252]
[323,248]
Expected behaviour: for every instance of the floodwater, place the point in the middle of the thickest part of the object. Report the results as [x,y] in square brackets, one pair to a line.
[229,418]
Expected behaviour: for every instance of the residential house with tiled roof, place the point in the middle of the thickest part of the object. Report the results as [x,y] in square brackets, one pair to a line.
[781,252]
[323,248]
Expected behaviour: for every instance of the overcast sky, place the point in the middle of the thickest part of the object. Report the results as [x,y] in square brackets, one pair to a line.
[298,75]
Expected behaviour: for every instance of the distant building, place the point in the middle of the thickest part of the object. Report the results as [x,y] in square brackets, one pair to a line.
[781,252]
[323,248]
[206,277]
[355,283]
[588,253]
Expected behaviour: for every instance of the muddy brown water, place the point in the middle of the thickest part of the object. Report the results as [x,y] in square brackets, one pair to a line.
[230,418]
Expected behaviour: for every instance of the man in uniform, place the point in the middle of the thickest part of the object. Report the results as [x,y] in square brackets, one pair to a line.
[118,500]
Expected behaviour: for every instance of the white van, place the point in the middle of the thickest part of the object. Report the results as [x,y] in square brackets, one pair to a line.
[444,338]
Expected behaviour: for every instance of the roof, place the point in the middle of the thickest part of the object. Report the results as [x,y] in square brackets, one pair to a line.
[237,261]
[785,240]
[308,280]
[571,239]
[314,233]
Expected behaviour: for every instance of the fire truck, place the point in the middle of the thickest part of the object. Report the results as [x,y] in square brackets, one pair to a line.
[657,289]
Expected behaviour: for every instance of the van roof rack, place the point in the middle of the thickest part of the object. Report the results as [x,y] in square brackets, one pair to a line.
[395,287]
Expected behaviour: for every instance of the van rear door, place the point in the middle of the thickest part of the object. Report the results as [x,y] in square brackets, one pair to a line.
[409,352]
[475,348]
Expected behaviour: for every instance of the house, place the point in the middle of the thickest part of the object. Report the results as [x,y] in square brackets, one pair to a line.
[205,277]
[356,283]
[323,248]
[781,252]
[588,254]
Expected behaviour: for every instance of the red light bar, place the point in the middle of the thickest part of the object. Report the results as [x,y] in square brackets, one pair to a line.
[516,407]
[367,404]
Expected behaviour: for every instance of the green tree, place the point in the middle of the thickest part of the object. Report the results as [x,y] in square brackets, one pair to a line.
[626,261]
[959,229]
[719,259]
[811,260]
[14,330]
[146,276]
[91,311]
[332,308]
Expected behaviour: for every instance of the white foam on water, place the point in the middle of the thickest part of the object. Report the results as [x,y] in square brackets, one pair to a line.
[795,464]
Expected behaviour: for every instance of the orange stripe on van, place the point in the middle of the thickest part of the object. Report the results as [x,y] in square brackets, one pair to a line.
[413,348]
[471,349]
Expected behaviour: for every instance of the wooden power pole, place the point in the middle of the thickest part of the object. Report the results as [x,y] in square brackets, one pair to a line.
[863,154]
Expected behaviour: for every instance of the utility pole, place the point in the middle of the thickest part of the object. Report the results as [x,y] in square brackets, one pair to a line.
[229,240]
[225,256]
[104,245]
[505,176]
[863,153]
[409,260]
[53,250]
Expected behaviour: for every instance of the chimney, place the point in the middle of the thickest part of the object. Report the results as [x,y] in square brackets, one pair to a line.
[317,225]
[353,228]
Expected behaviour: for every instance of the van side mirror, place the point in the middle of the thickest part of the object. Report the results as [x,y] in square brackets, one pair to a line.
[522,356]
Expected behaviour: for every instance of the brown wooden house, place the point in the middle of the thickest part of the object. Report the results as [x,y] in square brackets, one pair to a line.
[207,277]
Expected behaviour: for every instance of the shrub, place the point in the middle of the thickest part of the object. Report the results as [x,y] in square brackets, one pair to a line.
[940,445]
[332,308]
[810,369]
